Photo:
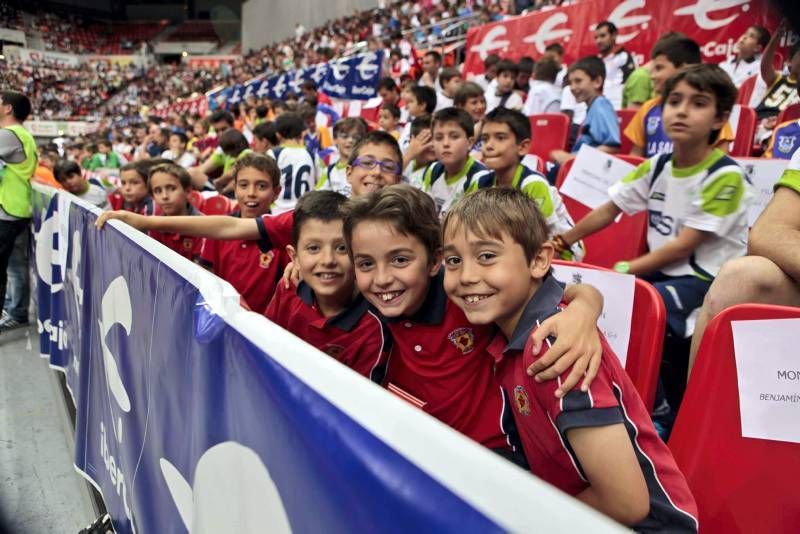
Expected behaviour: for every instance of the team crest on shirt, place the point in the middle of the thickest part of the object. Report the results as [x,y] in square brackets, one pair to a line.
[652,125]
[188,243]
[786,143]
[521,400]
[265,259]
[334,351]
[463,339]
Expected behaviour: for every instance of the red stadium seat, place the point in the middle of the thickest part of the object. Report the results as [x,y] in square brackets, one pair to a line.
[731,476]
[217,205]
[746,91]
[745,131]
[115,201]
[549,131]
[624,116]
[196,200]
[622,240]
[789,113]
[648,321]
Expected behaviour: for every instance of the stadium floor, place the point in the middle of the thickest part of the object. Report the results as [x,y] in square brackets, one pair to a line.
[40,491]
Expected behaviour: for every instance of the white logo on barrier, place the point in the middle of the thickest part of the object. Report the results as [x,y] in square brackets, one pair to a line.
[703,8]
[491,42]
[368,66]
[621,18]
[232,491]
[548,32]
[319,73]
[236,96]
[115,309]
[45,257]
[248,91]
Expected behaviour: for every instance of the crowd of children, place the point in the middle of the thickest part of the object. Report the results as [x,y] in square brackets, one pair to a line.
[428,236]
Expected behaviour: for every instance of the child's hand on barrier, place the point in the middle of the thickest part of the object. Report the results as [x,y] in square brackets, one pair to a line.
[577,344]
[127,217]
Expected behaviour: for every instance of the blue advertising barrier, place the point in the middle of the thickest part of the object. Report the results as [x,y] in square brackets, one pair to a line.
[351,78]
[195,415]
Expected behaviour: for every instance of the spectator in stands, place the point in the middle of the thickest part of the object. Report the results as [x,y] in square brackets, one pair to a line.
[504,95]
[619,63]
[600,129]
[771,273]
[785,140]
[420,100]
[389,92]
[746,59]
[232,145]
[524,72]
[170,185]
[506,138]
[701,197]
[420,151]
[70,176]
[311,93]
[104,158]
[177,150]
[544,95]
[297,165]
[253,267]
[646,130]
[431,65]
[489,71]
[265,137]
[389,120]
[347,133]
[450,80]
[626,472]
[781,90]
[18,159]
[326,310]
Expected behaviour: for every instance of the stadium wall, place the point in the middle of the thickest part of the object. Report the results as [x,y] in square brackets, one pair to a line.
[268,21]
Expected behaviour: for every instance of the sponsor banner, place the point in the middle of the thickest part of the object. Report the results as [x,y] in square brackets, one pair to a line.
[210,62]
[714,24]
[60,59]
[13,36]
[120,60]
[195,415]
[196,105]
[58,128]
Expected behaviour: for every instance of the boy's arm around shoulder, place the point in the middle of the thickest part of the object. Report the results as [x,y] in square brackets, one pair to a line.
[210,226]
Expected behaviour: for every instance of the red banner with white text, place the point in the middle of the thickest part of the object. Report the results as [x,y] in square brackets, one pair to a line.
[714,24]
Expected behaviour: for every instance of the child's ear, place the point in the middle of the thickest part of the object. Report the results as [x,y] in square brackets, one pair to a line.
[291,252]
[720,120]
[277,190]
[522,147]
[540,264]
[436,263]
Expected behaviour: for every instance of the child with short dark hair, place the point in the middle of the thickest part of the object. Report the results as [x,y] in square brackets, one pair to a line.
[298,169]
[600,129]
[420,100]
[104,158]
[646,129]
[506,138]
[325,309]
[470,97]
[133,189]
[420,151]
[597,445]
[697,200]
[388,119]
[265,137]
[544,95]
[252,266]
[438,361]
[177,150]
[503,94]
[446,179]
[70,175]
[347,133]
[450,80]
[170,185]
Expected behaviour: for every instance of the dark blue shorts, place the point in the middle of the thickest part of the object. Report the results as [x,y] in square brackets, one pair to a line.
[682,296]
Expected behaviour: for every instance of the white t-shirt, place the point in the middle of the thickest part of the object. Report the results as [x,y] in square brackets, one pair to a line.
[334,178]
[711,196]
[445,191]
[514,101]
[298,175]
[612,88]
[186,160]
[739,71]
[443,101]
[96,194]
[543,97]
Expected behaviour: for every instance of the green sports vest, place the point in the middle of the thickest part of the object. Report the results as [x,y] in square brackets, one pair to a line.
[15,178]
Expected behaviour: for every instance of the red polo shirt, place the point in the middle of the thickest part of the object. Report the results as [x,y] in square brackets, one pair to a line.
[279,228]
[186,246]
[543,420]
[439,363]
[355,337]
[252,267]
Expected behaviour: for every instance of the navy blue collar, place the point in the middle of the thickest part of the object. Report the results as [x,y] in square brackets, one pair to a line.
[347,319]
[542,305]
[432,310]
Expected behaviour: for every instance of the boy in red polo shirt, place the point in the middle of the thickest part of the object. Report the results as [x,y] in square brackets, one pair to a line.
[438,359]
[252,266]
[169,187]
[326,309]
[597,445]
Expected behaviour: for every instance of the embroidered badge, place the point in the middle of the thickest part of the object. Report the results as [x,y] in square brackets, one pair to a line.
[334,351]
[188,243]
[463,339]
[652,125]
[265,259]
[785,143]
[521,399]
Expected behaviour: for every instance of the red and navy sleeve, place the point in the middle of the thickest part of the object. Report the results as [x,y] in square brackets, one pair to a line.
[276,229]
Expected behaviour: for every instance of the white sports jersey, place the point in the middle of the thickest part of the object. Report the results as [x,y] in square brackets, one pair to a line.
[493,100]
[618,66]
[711,196]
[446,190]
[543,97]
[334,178]
[414,175]
[298,175]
